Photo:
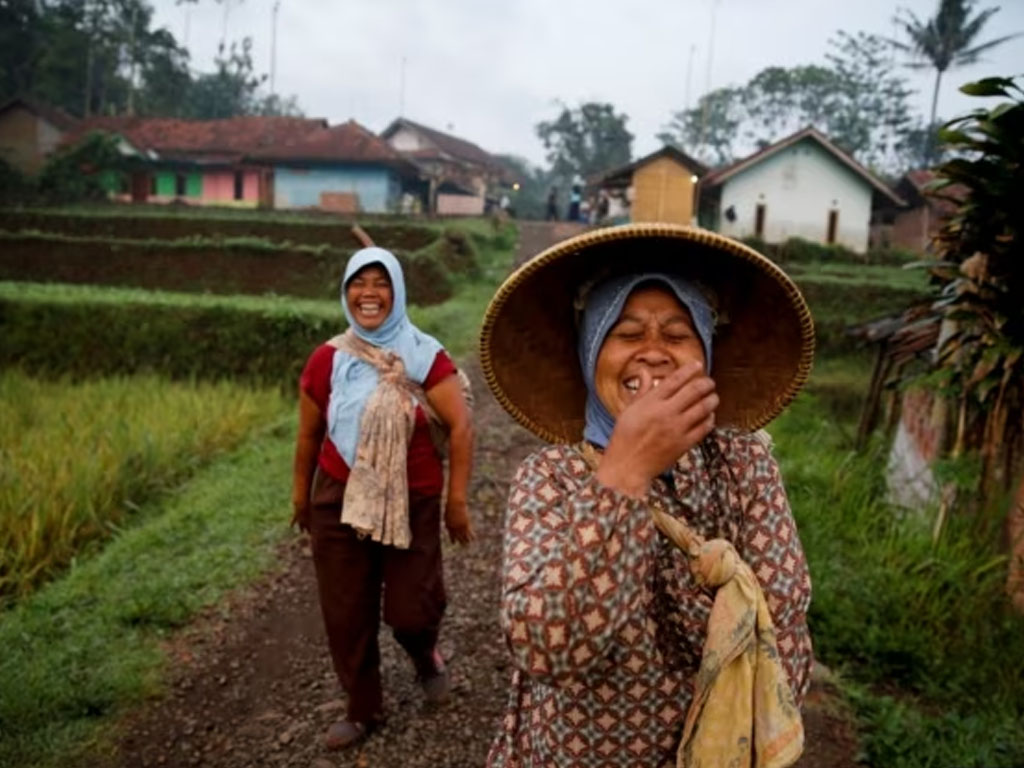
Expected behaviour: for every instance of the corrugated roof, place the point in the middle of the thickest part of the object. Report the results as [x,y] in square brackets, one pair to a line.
[720,175]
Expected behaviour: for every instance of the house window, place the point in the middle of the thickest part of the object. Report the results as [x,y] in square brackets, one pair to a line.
[833,227]
[239,185]
[759,220]
[123,184]
[180,184]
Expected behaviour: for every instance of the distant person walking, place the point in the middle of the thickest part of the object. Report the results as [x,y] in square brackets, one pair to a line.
[574,203]
[552,209]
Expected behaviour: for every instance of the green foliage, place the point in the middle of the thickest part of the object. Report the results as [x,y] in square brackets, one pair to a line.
[919,632]
[15,188]
[86,331]
[709,130]
[102,57]
[796,250]
[589,139]
[162,223]
[143,435]
[945,41]
[980,279]
[529,201]
[90,645]
[76,174]
[858,100]
[175,335]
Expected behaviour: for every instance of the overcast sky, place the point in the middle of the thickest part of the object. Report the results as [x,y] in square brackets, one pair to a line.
[489,71]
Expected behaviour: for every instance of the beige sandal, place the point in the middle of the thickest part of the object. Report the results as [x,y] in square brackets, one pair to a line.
[344,734]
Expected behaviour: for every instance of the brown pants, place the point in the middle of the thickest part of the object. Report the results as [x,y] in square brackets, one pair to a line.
[351,573]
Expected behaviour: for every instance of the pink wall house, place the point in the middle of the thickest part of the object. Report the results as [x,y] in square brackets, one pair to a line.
[231,188]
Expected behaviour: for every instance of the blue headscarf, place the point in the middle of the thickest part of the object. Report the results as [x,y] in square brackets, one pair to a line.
[601,311]
[353,380]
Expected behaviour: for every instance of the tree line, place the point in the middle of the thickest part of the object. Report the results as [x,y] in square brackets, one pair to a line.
[103,57]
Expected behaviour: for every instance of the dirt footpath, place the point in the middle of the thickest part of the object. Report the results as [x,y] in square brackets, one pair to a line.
[250,682]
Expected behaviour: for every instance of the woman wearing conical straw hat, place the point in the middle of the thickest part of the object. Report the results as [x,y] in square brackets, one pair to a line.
[655,590]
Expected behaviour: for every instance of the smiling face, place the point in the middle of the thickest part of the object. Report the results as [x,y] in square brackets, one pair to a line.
[653,336]
[370,296]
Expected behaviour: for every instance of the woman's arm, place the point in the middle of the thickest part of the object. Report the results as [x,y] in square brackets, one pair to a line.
[307,450]
[574,568]
[446,399]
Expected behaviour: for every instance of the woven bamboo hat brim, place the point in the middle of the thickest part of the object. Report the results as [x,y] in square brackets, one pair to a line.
[762,348]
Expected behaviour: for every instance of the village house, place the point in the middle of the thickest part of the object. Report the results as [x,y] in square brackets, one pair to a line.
[658,187]
[30,132]
[459,175]
[345,169]
[914,225]
[201,162]
[802,186]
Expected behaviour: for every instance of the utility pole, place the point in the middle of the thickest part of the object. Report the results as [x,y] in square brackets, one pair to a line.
[401,90]
[707,84]
[224,26]
[689,76]
[273,45]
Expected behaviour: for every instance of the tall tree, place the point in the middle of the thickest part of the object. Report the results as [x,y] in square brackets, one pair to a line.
[858,100]
[709,131]
[586,140]
[946,40]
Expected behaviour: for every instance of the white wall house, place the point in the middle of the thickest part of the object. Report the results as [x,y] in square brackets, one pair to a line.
[803,186]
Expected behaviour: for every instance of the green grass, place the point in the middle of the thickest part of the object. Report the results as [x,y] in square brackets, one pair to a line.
[75,459]
[859,274]
[87,647]
[226,212]
[456,323]
[66,293]
[920,633]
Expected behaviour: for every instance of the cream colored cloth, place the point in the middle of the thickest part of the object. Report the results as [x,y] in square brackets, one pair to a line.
[743,713]
[376,500]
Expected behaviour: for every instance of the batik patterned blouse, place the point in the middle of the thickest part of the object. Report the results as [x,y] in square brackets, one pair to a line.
[603,618]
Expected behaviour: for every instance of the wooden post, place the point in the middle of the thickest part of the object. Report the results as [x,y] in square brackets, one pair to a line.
[869,416]
[360,234]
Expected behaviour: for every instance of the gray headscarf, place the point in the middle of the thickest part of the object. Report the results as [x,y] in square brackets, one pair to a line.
[601,310]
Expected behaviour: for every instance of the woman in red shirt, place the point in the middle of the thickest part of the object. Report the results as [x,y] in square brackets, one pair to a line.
[367,486]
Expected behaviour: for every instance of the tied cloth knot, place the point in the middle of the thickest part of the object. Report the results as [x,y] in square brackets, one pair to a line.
[376,502]
[743,714]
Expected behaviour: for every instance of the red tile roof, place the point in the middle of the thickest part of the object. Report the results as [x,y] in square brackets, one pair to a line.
[57,117]
[444,143]
[233,135]
[915,186]
[348,142]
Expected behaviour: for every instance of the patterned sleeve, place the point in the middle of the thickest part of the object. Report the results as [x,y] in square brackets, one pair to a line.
[575,562]
[769,543]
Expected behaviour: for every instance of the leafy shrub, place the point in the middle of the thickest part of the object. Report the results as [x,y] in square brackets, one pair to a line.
[76,174]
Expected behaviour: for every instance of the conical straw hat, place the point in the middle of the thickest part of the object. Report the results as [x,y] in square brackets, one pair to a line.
[762,348]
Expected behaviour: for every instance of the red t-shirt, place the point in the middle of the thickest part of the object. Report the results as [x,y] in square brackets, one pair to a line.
[426,475]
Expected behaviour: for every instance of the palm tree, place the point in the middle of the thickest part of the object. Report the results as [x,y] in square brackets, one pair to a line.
[946,40]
